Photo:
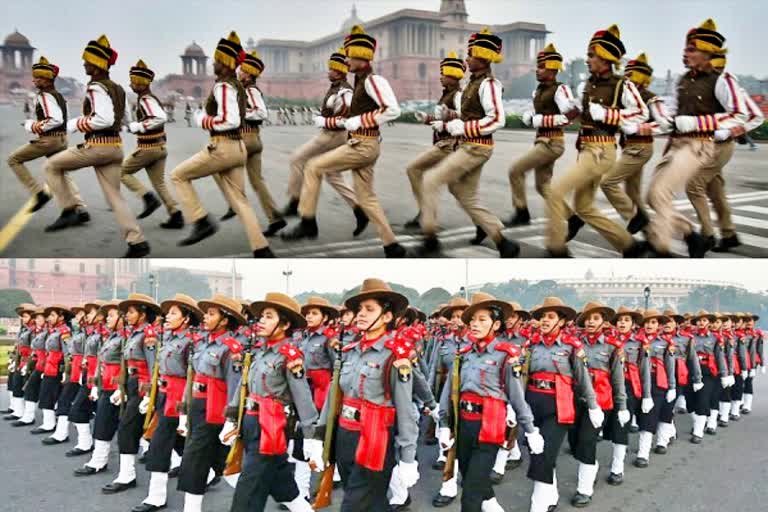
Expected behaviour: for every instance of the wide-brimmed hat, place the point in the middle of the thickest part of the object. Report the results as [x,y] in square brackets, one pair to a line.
[284,304]
[482,300]
[76,308]
[227,304]
[374,288]
[637,317]
[96,303]
[420,314]
[185,302]
[25,307]
[436,312]
[110,304]
[39,311]
[524,314]
[554,304]
[674,315]
[453,304]
[753,316]
[322,304]
[654,313]
[595,307]
[703,313]
[58,307]
[139,299]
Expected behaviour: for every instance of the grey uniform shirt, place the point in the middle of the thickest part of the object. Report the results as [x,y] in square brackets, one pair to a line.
[53,342]
[603,356]
[212,357]
[92,341]
[706,343]
[318,355]
[38,339]
[684,352]
[135,350]
[24,338]
[111,350]
[443,354]
[635,354]
[662,349]
[174,353]
[75,345]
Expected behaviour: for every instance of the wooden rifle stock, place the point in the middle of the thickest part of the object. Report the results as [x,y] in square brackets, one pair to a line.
[450,459]
[150,417]
[234,463]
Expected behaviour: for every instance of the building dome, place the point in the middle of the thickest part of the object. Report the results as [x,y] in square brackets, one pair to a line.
[18,40]
[194,50]
[351,21]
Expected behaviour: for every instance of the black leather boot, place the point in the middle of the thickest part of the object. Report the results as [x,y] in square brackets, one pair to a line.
[151,203]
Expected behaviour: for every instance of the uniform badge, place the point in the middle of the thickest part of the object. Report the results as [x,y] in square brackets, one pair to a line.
[404,373]
[296,368]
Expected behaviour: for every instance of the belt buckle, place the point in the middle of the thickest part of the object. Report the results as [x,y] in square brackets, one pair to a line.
[350,413]
[251,404]
[199,387]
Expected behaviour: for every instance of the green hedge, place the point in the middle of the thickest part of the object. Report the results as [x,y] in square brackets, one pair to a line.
[4,351]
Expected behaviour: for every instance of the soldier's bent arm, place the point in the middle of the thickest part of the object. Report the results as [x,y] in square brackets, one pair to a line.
[407,427]
[516,396]
[581,379]
[302,399]
[617,378]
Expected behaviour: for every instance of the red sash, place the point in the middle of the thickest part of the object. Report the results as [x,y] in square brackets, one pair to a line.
[566,410]
[319,381]
[272,420]
[110,376]
[709,361]
[657,366]
[92,364]
[373,426]
[51,368]
[40,363]
[174,394]
[601,382]
[215,396]
[141,372]
[76,369]
[632,374]
[493,419]
[681,373]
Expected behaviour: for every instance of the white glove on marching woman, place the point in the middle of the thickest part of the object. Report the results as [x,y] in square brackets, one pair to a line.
[144,405]
[596,416]
[182,428]
[646,405]
[116,398]
[535,442]
[444,438]
[698,386]
[671,395]
[623,417]
[313,452]
[228,433]
[94,394]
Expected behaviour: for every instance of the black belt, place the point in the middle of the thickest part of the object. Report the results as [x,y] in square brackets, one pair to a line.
[350,413]
[470,407]
[199,387]
[101,133]
[253,124]
[251,405]
[541,384]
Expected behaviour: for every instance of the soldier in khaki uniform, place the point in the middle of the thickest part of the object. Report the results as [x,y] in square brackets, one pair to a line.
[709,110]
[373,104]
[150,153]
[554,108]
[50,127]
[101,122]
[479,114]
[225,155]
[609,103]
[443,143]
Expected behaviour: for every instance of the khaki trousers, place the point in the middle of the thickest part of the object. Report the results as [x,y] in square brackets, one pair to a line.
[225,160]
[461,172]
[683,160]
[541,158]
[254,147]
[37,148]
[106,161]
[628,171]
[321,143]
[709,185]
[583,179]
[424,162]
[358,155]
[153,160]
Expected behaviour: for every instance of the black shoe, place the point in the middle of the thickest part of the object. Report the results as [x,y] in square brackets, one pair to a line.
[230,214]
[40,430]
[151,203]
[496,478]
[307,228]
[88,470]
[634,429]
[362,221]
[522,218]
[68,218]
[710,431]
[116,487]
[636,250]
[641,463]
[697,245]
[513,464]
[138,250]
[430,247]
[438,465]
[146,507]
[40,199]
[440,501]
[615,479]
[727,243]
[175,221]
[11,417]
[214,482]
[292,208]
[275,227]
[6,411]
[696,440]
[574,225]
[76,452]
[174,473]
[745,411]
[479,236]
[552,508]
[721,423]
[680,410]
[264,252]
[661,450]
[394,250]
[414,223]
[565,253]
[201,230]
[400,508]
[580,500]
[49,441]
[733,417]
[508,248]
[637,223]
[19,423]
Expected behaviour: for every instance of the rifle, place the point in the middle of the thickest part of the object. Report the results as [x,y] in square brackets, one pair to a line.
[511,437]
[188,385]
[324,490]
[234,464]
[123,378]
[151,418]
[450,460]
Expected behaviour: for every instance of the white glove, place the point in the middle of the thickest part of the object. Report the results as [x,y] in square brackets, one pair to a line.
[409,473]
[646,405]
[596,416]
[197,117]
[313,452]
[228,433]
[752,373]
[631,129]
[12,366]
[671,395]
[762,370]
[511,417]
[697,386]
[444,438]
[725,382]
[420,116]
[442,112]
[116,398]
[182,428]
[72,125]
[438,126]
[318,121]
[144,405]
[732,380]
[455,127]
[535,442]
[24,370]
[135,127]
[528,118]
[686,124]
[353,123]
[435,414]
[597,112]
[28,125]
[623,417]
[722,134]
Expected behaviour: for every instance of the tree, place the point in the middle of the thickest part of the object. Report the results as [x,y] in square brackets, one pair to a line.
[171,281]
[521,87]
[432,298]
[105,293]
[10,298]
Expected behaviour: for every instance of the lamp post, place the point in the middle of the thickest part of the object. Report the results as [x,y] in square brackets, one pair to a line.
[287,273]
[154,284]
[647,294]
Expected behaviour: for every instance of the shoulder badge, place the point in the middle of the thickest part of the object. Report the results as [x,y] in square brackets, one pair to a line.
[65,332]
[235,347]
[294,360]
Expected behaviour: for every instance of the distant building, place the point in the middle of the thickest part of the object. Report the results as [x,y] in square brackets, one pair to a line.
[194,80]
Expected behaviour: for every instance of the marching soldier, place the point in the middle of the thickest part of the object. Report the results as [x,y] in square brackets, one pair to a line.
[224,157]
[477,117]
[704,397]
[443,143]
[58,317]
[101,122]
[756,355]
[278,397]
[554,107]
[18,360]
[744,365]
[609,103]
[335,106]
[151,152]
[50,127]
[33,370]
[557,370]
[373,104]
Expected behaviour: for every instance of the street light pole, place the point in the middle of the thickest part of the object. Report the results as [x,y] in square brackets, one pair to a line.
[287,273]
[647,294]
[152,286]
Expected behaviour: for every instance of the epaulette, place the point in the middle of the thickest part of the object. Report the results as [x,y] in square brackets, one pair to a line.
[150,332]
[572,341]
[330,332]
[612,340]
[398,347]
[350,346]
[65,332]
[291,352]
[510,348]
[234,346]
[466,348]
[196,337]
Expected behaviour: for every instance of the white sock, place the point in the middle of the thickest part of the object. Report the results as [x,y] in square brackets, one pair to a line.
[297,505]
[49,419]
[29,412]
[712,419]
[541,498]
[100,455]
[397,490]
[442,457]
[175,459]
[158,489]
[193,502]
[491,505]
[515,453]
[698,425]
[501,461]
[617,462]
[336,474]
[672,430]
[663,434]
[587,474]
[302,474]
[644,445]
[736,408]
[17,404]
[681,403]
[634,420]
[62,428]
[450,488]
[84,438]
[127,471]
[725,407]
[748,401]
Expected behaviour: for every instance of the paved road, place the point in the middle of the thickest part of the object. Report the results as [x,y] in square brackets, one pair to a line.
[727,472]
[402,144]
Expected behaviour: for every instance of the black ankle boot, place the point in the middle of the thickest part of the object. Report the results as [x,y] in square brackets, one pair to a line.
[430,247]
[151,203]
[394,250]
[41,198]
[574,226]
[697,245]
[508,248]
[414,223]
[292,208]
[230,213]
[307,228]
[479,236]
[201,230]
[138,250]
[264,252]
[638,222]
[362,221]
[522,218]
[69,218]
[275,227]
[175,221]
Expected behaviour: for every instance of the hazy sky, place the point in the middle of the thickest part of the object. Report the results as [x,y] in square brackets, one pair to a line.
[335,275]
[158,31]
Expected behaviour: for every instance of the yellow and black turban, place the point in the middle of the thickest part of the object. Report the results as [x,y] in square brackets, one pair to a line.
[229,51]
[453,66]
[719,60]
[44,69]
[485,45]
[607,44]
[359,45]
[141,74]
[338,61]
[639,71]
[252,64]
[706,38]
[550,57]
[100,53]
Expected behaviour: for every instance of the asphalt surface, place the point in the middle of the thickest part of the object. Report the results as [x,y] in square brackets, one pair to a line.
[728,472]
[402,143]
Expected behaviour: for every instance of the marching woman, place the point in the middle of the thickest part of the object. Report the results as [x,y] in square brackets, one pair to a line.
[33,370]
[83,407]
[745,365]
[704,398]
[182,316]
[734,369]
[105,389]
[59,333]
[491,402]
[278,397]
[22,352]
[558,375]
[376,427]
[756,356]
